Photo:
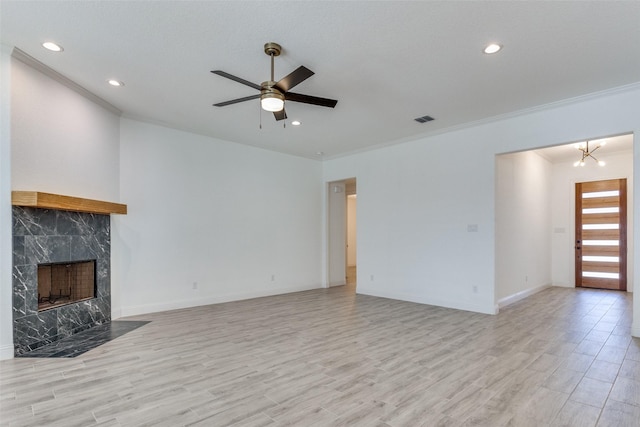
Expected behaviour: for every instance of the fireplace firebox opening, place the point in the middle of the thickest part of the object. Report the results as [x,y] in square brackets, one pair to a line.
[65,283]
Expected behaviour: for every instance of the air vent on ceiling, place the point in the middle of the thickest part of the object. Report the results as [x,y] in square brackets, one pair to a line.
[423,119]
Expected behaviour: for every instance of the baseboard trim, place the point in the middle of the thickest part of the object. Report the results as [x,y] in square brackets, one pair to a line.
[340,283]
[6,352]
[635,331]
[116,314]
[136,310]
[466,306]
[503,302]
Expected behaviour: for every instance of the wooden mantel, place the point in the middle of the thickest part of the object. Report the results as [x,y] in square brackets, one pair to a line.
[36,199]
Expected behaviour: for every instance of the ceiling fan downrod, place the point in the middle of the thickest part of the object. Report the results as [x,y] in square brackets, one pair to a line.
[272,49]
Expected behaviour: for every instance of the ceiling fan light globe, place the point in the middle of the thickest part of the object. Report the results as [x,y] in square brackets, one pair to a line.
[272,101]
[272,104]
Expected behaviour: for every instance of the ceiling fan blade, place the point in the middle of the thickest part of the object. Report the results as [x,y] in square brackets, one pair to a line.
[235,101]
[280,115]
[308,99]
[236,79]
[299,75]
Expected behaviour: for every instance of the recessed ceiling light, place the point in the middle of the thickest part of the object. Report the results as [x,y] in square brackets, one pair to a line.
[320,153]
[296,122]
[116,83]
[52,46]
[492,48]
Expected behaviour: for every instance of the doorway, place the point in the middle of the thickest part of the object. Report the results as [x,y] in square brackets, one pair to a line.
[601,234]
[352,243]
[536,214]
[341,238]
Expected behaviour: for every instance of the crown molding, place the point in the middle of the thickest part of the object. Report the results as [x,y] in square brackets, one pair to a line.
[50,72]
[493,119]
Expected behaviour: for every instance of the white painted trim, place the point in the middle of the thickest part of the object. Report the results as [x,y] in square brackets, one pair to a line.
[420,299]
[6,352]
[503,302]
[35,64]
[218,299]
[564,285]
[635,331]
[493,119]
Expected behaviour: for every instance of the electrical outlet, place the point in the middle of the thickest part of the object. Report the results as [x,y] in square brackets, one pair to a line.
[195,285]
[372,277]
[475,289]
[273,277]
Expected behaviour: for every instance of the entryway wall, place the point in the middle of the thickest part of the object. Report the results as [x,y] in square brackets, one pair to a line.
[523,221]
[535,220]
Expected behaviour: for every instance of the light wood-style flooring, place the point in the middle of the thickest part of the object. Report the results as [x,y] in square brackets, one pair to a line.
[328,357]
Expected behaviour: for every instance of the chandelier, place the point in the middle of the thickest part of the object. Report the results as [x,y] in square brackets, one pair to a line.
[584,148]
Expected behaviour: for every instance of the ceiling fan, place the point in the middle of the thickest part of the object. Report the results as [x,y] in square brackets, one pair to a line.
[273,94]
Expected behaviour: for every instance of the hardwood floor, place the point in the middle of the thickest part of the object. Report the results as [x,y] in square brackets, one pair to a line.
[562,357]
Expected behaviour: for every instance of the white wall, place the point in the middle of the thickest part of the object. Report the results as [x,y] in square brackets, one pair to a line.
[6,292]
[564,178]
[239,221]
[62,142]
[523,224]
[417,199]
[414,209]
[635,327]
[352,244]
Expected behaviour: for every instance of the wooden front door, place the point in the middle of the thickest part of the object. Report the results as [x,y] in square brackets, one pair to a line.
[601,234]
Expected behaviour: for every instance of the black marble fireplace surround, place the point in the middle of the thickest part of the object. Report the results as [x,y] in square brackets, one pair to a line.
[52,236]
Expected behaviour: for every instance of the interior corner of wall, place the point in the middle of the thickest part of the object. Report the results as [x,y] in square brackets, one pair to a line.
[6,49]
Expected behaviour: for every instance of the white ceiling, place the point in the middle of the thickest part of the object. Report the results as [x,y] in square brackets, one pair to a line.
[386,62]
[608,146]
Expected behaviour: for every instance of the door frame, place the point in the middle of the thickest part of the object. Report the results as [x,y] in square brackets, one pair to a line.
[336,233]
[623,219]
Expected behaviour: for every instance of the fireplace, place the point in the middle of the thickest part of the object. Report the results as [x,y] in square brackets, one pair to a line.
[65,283]
[45,242]
[61,266]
